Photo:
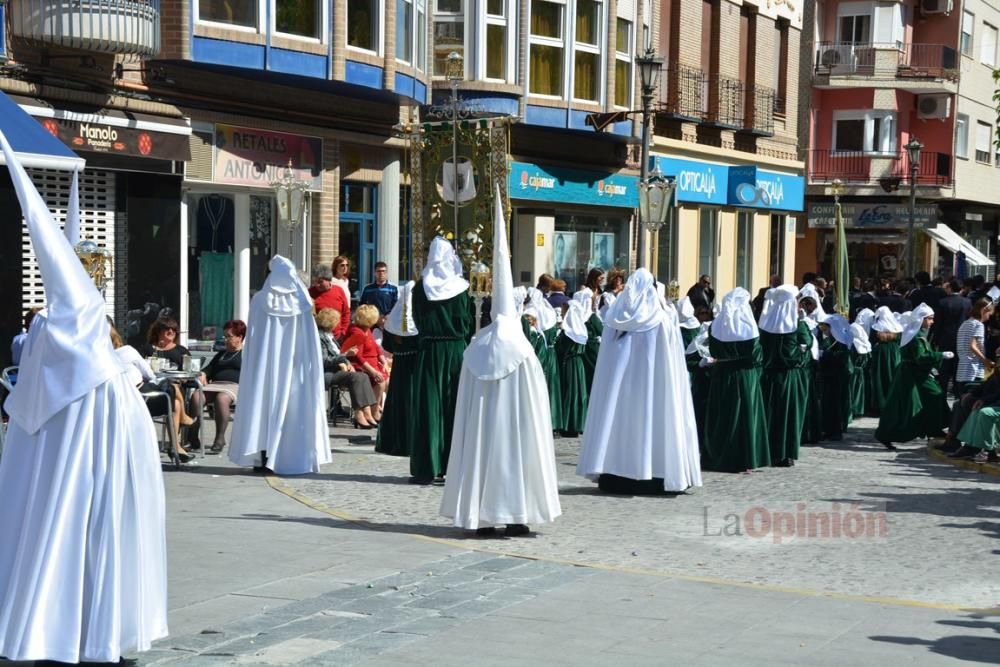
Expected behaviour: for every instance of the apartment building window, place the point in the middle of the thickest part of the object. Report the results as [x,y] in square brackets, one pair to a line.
[301,18]
[496,39]
[962,136]
[404,30]
[984,142]
[855,28]
[546,48]
[781,59]
[241,13]
[988,45]
[363,24]
[776,240]
[623,64]
[965,42]
[708,235]
[744,249]
[421,30]
[449,32]
[586,51]
[864,131]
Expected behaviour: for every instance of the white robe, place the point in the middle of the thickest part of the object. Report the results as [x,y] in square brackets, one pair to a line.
[282,404]
[502,466]
[640,423]
[83,553]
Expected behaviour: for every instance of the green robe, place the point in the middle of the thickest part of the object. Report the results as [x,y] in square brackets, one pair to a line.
[700,382]
[812,425]
[573,381]
[982,429]
[735,423]
[546,351]
[445,329]
[594,330]
[836,371]
[398,427]
[859,384]
[784,383]
[882,369]
[916,405]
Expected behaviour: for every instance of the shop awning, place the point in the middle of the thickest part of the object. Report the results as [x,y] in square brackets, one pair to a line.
[32,143]
[947,237]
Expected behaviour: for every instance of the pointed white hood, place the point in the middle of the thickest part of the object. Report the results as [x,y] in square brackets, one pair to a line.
[72,227]
[399,321]
[735,322]
[781,310]
[638,306]
[442,275]
[499,348]
[70,352]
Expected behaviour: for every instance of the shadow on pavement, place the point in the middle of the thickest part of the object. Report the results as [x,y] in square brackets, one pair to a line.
[971,648]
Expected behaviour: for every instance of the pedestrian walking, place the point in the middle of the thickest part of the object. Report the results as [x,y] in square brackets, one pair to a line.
[884,362]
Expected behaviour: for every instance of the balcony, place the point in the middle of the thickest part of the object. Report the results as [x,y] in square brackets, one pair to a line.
[890,170]
[130,27]
[922,67]
[726,103]
[759,119]
[685,95]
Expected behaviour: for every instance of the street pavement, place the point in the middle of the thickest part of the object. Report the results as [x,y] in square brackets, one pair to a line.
[353,566]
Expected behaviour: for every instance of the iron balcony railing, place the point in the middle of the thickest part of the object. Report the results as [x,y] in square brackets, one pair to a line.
[888,169]
[760,114]
[690,94]
[110,26]
[726,102]
[684,94]
[887,60]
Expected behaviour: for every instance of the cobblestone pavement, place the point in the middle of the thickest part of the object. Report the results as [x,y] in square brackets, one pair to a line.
[940,523]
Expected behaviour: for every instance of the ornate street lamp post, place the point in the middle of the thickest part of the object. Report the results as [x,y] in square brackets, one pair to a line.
[455,71]
[649,76]
[656,199]
[291,195]
[913,148]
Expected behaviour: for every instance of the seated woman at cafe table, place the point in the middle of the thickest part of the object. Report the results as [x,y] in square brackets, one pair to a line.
[220,380]
[369,358]
[162,343]
[337,370]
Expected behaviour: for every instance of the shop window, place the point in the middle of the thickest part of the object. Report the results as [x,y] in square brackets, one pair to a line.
[776,241]
[988,46]
[362,24]
[547,48]
[708,241]
[449,33]
[240,13]
[744,249]
[965,42]
[623,63]
[962,135]
[984,142]
[864,131]
[585,242]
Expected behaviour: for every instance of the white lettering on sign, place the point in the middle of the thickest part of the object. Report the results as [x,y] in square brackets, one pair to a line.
[98,136]
[611,189]
[775,190]
[697,181]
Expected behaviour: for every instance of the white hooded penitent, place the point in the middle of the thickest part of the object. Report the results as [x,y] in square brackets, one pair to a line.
[781,310]
[442,275]
[735,322]
[502,467]
[914,323]
[399,321]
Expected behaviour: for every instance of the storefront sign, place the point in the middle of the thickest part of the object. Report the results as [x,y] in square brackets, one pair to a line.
[755,188]
[697,182]
[885,215]
[572,186]
[246,156]
[97,137]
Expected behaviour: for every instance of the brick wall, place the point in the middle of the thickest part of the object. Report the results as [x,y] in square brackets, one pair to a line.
[175,17]
[326,208]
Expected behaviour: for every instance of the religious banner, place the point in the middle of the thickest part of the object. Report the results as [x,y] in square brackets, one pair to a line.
[246,156]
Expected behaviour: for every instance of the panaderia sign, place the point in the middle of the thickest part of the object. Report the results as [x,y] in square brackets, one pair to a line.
[98,137]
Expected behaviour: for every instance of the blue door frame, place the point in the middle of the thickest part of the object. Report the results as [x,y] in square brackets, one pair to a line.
[363,196]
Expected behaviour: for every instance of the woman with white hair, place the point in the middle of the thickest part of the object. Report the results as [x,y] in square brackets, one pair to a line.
[785,342]
[885,358]
[916,405]
[735,422]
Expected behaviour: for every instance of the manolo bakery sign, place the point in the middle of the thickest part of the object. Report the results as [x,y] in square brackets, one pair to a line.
[104,138]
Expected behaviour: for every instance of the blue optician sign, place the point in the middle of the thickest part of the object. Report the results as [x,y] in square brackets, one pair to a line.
[697,182]
[575,186]
[750,187]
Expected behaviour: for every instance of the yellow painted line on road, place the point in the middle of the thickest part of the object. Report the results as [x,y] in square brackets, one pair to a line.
[278,485]
[987,468]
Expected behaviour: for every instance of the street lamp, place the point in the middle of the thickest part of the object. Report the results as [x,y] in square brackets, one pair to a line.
[649,76]
[291,195]
[913,148]
[455,72]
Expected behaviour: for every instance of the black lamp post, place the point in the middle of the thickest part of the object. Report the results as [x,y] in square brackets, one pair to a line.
[913,148]
[650,67]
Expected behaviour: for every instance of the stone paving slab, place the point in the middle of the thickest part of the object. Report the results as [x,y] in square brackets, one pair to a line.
[940,522]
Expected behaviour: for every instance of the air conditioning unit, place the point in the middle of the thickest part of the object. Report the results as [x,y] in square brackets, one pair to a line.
[936,6]
[933,106]
[837,58]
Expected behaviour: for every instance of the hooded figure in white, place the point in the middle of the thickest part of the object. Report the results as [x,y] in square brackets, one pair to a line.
[643,428]
[282,398]
[502,467]
[83,552]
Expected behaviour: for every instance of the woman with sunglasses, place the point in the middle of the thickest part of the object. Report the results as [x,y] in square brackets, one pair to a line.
[162,342]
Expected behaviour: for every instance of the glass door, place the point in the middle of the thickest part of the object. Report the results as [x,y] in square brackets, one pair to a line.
[358,232]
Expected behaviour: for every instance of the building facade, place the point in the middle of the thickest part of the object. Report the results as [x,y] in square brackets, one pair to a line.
[885,73]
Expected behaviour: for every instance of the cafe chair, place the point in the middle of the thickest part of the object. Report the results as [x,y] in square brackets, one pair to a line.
[167,421]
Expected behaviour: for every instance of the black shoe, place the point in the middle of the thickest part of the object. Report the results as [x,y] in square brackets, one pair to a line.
[193,447]
[422,481]
[216,448]
[948,446]
[363,427]
[185,458]
[785,463]
[488,531]
[516,530]
[964,452]
[888,445]
[438,481]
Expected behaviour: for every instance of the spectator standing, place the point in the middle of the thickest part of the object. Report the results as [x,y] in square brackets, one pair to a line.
[925,292]
[382,294]
[891,298]
[342,275]
[557,295]
[949,314]
[324,296]
[863,299]
[758,301]
[701,293]
[970,346]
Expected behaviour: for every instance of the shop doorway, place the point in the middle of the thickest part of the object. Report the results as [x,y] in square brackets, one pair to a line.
[358,232]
